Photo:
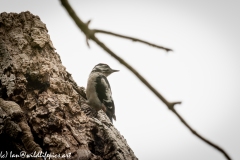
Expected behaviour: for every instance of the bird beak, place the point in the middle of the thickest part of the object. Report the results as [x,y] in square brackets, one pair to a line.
[113,70]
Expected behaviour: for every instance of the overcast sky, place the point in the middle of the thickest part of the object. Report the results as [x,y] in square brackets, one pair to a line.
[203,71]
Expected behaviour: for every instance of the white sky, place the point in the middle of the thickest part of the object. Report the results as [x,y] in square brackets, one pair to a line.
[203,71]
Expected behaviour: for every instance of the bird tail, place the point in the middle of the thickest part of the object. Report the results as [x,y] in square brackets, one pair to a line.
[114,117]
[111,117]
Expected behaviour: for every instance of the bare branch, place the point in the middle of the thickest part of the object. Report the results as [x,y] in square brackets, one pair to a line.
[85,29]
[133,39]
[90,34]
[201,137]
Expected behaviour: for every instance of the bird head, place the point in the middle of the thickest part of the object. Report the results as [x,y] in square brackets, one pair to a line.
[104,69]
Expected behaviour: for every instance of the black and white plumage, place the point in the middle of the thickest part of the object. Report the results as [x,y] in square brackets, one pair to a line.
[99,94]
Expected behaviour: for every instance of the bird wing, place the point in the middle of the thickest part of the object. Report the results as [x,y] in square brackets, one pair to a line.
[104,94]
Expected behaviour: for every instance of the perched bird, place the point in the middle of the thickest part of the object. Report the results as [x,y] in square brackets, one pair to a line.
[99,94]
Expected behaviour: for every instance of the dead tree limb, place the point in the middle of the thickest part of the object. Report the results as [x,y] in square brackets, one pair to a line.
[90,34]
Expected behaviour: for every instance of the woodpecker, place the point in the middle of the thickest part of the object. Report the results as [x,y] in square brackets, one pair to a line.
[99,94]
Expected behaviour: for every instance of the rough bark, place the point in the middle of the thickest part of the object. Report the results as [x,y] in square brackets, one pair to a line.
[41,107]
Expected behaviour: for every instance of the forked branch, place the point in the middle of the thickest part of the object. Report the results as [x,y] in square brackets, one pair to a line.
[90,34]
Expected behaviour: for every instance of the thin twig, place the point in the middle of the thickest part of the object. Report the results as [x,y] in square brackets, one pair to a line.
[133,39]
[199,136]
[90,35]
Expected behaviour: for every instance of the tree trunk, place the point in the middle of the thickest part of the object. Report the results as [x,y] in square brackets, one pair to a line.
[42,110]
